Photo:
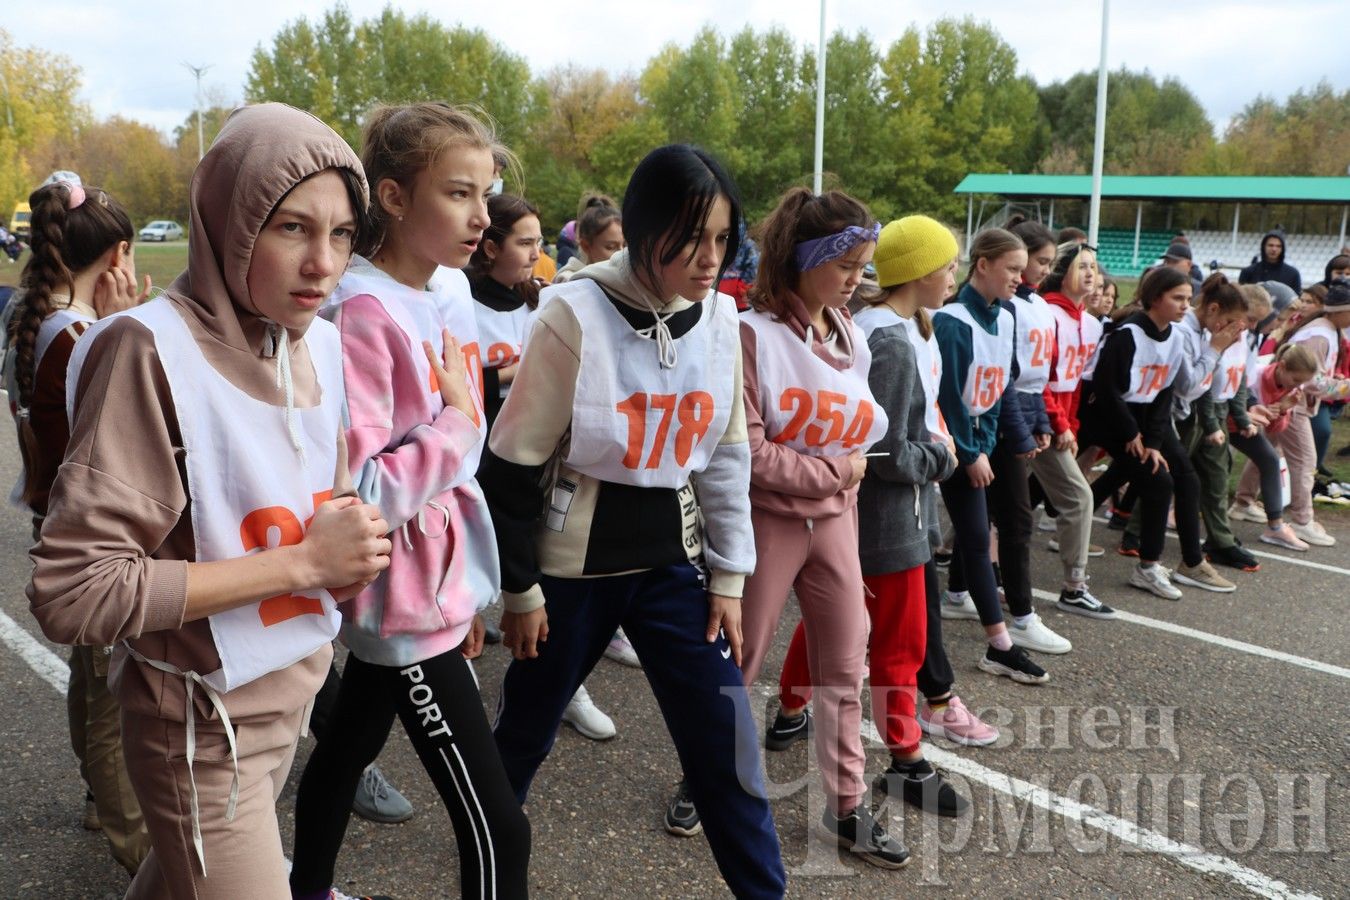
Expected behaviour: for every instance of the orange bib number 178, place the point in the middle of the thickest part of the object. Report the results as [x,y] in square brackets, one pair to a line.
[693,412]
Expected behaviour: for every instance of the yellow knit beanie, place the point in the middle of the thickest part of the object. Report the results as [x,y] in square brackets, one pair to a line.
[911,248]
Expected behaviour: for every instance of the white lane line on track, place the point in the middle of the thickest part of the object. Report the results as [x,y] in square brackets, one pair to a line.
[49,667]
[1292,560]
[1218,641]
[52,669]
[1124,830]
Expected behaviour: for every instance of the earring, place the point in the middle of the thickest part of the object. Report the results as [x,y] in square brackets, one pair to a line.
[400,218]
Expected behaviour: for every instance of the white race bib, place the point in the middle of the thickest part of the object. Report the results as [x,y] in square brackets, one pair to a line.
[1035,343]
[808,404]
[1076,343]
[250,488]
[991,360]
[634,421]
[1155,364]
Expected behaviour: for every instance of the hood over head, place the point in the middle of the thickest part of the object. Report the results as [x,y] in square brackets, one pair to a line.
[1261,249]
[262,153]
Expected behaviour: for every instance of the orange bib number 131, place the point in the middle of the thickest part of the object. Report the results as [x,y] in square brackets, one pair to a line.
[693,413]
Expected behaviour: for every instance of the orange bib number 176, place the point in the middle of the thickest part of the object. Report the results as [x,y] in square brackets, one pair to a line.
[693,412]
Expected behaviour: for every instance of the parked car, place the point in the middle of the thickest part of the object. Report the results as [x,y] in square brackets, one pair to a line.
[162,230]
[19,224]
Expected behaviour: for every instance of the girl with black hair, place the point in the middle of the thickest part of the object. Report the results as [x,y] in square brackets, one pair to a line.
[82,270]
[618,476]
[1127,411]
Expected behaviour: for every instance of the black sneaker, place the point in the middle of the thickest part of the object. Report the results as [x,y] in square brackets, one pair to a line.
[787,730]
[921,786]
[1083,603]
[491,633]
[1117,520]
[861,834]
[942,558]
[1014,664]
[1235,557]
[681,817]
[1129,545]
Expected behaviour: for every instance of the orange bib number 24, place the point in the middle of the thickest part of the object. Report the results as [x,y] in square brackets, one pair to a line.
[692,415]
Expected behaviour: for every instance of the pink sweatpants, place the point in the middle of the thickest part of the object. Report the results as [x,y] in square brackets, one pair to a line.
[1300,454]
[897,606]
[819,560]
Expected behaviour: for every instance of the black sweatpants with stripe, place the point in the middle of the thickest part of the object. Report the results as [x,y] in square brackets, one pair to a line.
[438,702]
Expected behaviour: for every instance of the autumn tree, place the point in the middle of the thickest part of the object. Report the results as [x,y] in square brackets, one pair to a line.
[40,117]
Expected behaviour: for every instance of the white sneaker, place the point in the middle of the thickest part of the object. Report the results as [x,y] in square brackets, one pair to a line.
[1045,523]
[1247,512]
[586,717]
[1036,635]
[1284,537]
[1154,580]
[1313,533]
[958,605]
[621,651]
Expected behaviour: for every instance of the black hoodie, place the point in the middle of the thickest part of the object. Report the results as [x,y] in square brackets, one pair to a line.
[1280,271]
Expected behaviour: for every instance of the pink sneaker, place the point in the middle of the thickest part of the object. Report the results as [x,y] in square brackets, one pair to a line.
[1284,537]
[957,724]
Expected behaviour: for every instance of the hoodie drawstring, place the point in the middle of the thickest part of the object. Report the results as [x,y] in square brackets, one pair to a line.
[666,351]
[277,346]
[421,521]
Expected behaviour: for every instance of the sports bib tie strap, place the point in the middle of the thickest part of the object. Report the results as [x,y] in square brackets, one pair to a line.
[190,681]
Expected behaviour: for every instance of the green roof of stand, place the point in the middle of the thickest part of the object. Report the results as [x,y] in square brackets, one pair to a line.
[1229,188]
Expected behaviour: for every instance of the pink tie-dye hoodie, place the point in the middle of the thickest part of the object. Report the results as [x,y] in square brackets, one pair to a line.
[414,458]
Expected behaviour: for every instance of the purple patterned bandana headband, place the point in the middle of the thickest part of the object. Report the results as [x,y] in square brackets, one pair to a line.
[819,251]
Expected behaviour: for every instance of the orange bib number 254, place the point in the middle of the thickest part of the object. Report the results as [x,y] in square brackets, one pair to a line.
[826,414]
[692,413]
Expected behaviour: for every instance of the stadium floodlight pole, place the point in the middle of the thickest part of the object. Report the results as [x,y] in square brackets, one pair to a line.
[1099,137]
[820,105]
[198,71]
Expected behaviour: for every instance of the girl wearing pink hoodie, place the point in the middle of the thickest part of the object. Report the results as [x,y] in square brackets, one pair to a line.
[415,429]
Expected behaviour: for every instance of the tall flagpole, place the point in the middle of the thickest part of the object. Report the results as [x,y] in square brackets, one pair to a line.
[820,104]
[1099,137]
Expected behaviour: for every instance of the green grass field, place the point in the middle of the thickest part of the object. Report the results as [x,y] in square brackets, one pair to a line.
[162,262]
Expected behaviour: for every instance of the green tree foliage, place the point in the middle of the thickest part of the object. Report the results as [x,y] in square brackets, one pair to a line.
[338,69]
[1153,128]
[131,161]
[955,104]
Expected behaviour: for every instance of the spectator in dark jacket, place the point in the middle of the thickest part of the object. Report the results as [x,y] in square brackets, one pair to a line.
[1270,264]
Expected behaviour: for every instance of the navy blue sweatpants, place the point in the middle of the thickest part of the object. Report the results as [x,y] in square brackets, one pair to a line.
[664,612]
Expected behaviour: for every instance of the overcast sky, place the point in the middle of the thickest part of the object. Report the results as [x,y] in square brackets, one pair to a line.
[1226,52]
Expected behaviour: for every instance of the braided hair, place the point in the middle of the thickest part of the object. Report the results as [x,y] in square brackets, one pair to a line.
[65,242]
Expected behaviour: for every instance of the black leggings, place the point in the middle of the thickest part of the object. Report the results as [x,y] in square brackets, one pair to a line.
[935,675]
[967,508]
[1009,506]
[442,713]
[1180,486]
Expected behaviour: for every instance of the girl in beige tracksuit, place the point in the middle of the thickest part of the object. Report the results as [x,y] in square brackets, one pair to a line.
[191,523]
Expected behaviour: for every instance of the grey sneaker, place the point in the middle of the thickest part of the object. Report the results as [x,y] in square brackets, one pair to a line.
[379,801]
[681,816]
[1154,580]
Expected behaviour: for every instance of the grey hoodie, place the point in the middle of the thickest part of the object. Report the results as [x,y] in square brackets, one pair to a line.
[896,508]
